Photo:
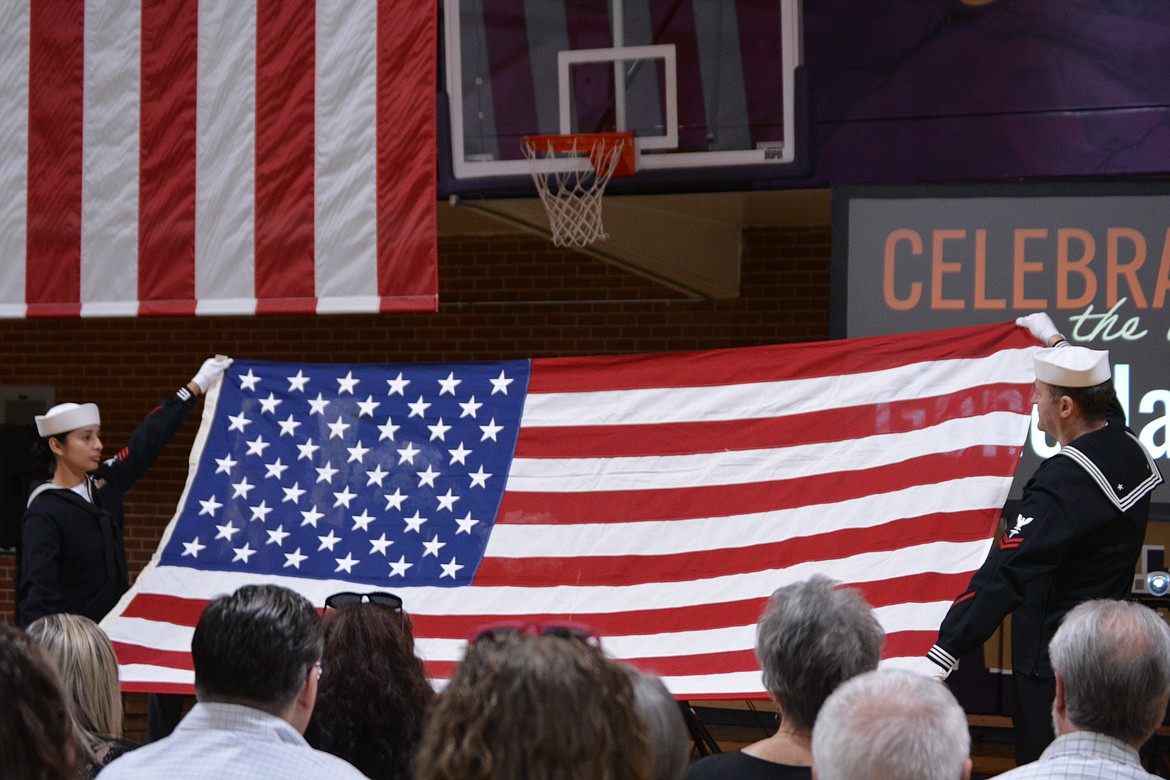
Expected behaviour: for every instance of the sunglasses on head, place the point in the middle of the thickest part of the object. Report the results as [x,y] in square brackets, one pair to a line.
[564,629]
[339,600]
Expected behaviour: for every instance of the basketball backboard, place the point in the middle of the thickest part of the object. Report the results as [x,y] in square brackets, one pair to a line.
[712,89]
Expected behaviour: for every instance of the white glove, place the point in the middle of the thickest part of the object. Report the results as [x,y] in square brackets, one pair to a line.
[925,667]
[211,368]
[1040,325]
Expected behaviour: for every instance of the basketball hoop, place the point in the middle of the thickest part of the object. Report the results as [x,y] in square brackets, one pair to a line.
[572,192]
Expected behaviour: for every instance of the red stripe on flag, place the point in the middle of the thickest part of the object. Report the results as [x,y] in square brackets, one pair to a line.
[768,363]
[285,156]
[137,654]
[408,256]
[741,499]
[615,441]
[166,174]
[898,643]
[621,570]
[166,609]
[55,106]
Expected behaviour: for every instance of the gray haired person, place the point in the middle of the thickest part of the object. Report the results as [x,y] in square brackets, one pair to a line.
[1112,665]
[811,637]
[665,728]
[892,723]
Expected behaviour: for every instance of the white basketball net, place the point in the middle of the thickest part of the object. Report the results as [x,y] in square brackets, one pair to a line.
[572,198]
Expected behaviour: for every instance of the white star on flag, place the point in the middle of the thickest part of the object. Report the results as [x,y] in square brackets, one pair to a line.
[362,521]
[295,559]
[318,404]
[277,536]
[387,430]
[257,446]
[490,430]
[243,553]
[379,545]
[226,531]
[398,385]
[289,425]
[225,464]
[347,383]
[242,488]
[500,384]
[261,511]
[293,493]
[297,382]
[398,568]
[275,470]
[449,384]
[193,547]
[238,422]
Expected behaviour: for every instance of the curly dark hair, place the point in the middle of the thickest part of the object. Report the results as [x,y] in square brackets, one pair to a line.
[523,707]
[373,695]
[37,740]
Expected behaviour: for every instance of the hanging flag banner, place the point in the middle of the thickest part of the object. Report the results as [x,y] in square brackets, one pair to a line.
[182,157]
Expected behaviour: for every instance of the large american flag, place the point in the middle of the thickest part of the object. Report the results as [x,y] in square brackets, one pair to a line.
[659,497]
[176,157]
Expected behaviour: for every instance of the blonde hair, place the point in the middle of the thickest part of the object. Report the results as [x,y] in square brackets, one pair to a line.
[88,667]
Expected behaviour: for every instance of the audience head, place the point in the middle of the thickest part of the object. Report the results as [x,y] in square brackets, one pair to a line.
[373,693]
[89,669]
[534,707]
[36,734]
[1112,664]
[811,637]
[258,647]
[891,723]
[669,742]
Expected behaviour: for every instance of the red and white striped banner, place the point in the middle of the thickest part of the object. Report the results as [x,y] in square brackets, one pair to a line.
[178,157]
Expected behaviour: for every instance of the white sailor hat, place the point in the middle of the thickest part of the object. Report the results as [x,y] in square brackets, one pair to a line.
[1069,366]
[63,418]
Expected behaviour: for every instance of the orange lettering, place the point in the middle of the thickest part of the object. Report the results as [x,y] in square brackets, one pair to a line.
[938,267]
[981,299]
[1021,267]
[1163,274]
[1065,267]
[892,300]
[1129,270]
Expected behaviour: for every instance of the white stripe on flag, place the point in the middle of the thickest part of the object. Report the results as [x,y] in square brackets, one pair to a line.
[346,155]
[225,173]
[560,540]
[15,40]
[741,467]
[761,400]
[110,155]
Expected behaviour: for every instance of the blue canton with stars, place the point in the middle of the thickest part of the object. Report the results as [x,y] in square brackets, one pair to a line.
[381,475]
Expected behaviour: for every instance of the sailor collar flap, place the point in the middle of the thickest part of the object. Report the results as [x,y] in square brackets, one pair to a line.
[67,495]
[1124,479]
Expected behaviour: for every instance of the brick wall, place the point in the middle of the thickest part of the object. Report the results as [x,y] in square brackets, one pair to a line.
[505,296]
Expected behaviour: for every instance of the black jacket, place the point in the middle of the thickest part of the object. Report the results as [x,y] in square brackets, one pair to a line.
[73,558]
[1079,532]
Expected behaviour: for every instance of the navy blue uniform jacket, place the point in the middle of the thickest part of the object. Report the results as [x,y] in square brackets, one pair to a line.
[73,558]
